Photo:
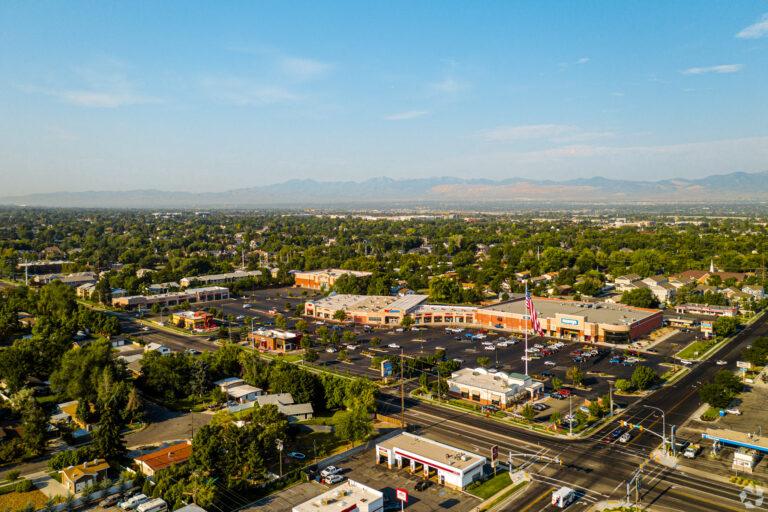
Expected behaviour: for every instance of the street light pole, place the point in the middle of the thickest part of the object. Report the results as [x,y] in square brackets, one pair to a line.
[610,396]
[663,426]
[280,456]
[570,414]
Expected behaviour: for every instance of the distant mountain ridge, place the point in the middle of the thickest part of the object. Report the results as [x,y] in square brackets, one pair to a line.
[733,187]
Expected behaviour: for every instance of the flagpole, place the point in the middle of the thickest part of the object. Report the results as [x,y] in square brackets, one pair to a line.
[527,316]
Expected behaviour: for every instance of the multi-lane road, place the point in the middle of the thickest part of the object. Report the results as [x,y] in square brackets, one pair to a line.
[597,466]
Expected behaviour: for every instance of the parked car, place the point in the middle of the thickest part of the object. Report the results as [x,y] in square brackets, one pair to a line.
[733,410]
[247,305]
[330,350]
[422,485]
[109,501]
[333,479]
[393,345]
[330,470]
[550,363]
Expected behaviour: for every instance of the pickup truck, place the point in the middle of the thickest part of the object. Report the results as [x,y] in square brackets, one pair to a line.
[692,451]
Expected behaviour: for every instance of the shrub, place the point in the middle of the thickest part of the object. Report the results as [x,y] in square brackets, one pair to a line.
[24,486]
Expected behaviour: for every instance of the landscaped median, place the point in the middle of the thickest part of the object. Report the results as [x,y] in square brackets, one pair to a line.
[496,489]
[700,350]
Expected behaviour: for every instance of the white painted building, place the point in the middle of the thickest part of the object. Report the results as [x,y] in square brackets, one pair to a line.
[500,389]
[350,496]
[446,465]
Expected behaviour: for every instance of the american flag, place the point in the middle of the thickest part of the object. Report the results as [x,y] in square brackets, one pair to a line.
[532,313]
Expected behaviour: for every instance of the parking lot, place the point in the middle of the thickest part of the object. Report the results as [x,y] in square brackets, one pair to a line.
[361,467]
[598,369]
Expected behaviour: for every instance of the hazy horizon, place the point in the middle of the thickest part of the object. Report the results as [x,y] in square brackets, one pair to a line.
[213,97]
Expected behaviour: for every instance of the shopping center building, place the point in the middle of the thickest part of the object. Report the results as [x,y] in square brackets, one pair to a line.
[565,319]
[499,389]
[573,320]
[323,279]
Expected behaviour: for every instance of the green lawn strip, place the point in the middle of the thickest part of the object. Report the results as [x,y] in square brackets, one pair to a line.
[506,494]
[491,486]
[696,349]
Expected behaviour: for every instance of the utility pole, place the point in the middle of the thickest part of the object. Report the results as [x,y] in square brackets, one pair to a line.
[402,390]
[570,414]
[610,396]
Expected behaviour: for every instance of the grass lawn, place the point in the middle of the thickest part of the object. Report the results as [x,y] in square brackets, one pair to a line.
[491,486]
[696,349]
[19,500]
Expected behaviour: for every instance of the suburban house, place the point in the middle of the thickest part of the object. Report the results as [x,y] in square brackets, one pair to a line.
[229,382]
[157,347]
[154,461]
[66,413]
[77,478]
[757,292]
[286,405]
[243,393]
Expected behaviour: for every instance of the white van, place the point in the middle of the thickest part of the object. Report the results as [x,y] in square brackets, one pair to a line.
[155,505]
[563,497]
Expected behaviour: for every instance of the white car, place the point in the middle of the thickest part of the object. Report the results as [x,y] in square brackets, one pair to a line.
[480,336]
[526,358]
[625,437]
[489,347]
[734,410]
[686,362]
[539,345]
[330,350]
[333,479]
[145,328]
[393,345]
[247,305]
[351,347]
[721,362]
[330,470]
[550,363]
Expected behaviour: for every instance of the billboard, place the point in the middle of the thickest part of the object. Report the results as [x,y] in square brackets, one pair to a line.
[401,495]
[387,369]
[707,328]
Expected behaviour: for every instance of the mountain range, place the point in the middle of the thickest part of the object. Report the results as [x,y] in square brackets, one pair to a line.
[721,188]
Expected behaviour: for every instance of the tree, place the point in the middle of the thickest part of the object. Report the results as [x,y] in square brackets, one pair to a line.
[407,321]
[342,355]
[34,423]
[557,383]
[643,377]
[134,407]
[301,325]
[280,321]
[424,381]
[640,298]
[311,356]
[726,326]
[340,315]
[556,418]
[107,437]
[528,412]
[576,375]
[484,361]
[375,342]
[623,385]
[354,425]
[715,395]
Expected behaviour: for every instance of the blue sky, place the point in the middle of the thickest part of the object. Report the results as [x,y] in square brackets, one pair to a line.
[219,95]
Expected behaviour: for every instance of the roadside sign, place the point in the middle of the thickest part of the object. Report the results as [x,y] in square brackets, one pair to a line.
[401,495]
[494,454]
[386,368]
[746,365]
[707,329]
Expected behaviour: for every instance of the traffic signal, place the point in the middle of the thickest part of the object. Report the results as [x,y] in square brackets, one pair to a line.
[640,427]
[623,423]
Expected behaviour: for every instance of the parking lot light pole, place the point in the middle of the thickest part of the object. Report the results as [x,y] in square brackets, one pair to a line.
[610,397]
[570,414]
[663,426]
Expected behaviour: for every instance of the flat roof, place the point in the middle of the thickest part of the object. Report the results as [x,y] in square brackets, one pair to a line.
[335,272]
[242,390]
[370,303]
[443,309]
[275,333]
[433,450]
[597,312]
[341,497]
[499,382]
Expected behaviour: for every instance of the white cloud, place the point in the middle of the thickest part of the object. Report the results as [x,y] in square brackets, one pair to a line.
[756,30]
[526,131]
[582,60]
[104,86]
[448,86]
[721,69]
[304,69]
[559,133]
[246,92]
[407,115]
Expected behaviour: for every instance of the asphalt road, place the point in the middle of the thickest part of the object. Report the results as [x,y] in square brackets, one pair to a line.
[598,467]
